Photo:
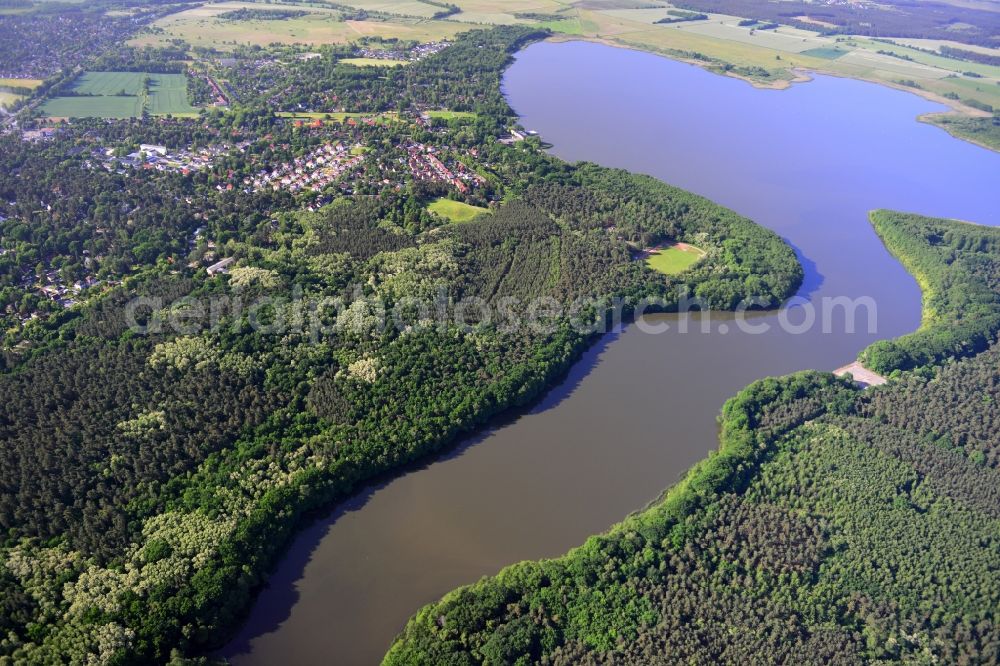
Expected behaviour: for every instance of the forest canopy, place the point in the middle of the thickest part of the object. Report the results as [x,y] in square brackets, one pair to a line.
[833,525]
[158,459]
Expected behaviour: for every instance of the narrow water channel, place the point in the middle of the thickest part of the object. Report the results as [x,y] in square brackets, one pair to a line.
[639,409]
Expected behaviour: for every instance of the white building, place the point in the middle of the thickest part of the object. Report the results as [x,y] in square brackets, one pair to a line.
[220,266]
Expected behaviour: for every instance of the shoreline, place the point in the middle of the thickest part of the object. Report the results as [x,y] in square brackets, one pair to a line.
[956,109]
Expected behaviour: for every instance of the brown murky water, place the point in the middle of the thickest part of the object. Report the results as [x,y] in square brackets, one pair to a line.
[640,408]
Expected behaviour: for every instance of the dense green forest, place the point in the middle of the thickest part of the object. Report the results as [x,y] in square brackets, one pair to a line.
[150,478]
[961,289]
[833,525]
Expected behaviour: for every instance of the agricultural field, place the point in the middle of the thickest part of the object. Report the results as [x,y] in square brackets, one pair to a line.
[8,98]
[455,211]
[11,90]
[20,83]
[503,12]
[675,259]
[402,7]
[784,38]
[930,59]
[936,44]
[649,15]
[206,27]
[105,106]
[121,95]
[168,94]
[886,63]
[109,83]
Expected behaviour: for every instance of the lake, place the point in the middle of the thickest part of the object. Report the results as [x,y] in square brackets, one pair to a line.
[639,409]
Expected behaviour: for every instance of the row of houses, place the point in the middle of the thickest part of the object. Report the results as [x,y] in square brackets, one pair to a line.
[416,53]
[220,97]
[315,171]
[424,164]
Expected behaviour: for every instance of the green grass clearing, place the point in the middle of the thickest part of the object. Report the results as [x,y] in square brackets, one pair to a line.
[824,52]
[455,211]
[451,115]
[568,26]
[675,259]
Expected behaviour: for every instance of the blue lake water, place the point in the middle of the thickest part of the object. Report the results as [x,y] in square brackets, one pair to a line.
[808,162]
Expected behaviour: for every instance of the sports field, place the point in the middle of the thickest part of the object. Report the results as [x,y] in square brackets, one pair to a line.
[121,95]
[455,211]
[674,259]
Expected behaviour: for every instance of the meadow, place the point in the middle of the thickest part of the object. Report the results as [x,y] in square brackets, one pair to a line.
[825,52]
[675,259]
[455,211]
